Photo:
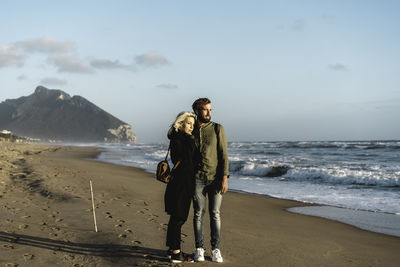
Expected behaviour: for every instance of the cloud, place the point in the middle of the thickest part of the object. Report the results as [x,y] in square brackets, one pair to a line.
[299,25]
[10,57]
[53,81]
[337,67]
[168,86]
[108,64]
[70,64]
[326,16]
[22,77]
[151,59]
[45,44]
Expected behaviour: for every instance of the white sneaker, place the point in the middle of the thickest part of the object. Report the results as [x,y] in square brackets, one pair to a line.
[216,255]
[199,254]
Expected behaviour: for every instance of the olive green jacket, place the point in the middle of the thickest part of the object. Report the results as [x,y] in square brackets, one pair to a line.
[212,148]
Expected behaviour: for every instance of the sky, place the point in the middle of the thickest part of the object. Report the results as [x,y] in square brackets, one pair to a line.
[274,70]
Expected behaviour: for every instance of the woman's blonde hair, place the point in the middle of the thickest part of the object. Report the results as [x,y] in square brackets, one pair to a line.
[180,119]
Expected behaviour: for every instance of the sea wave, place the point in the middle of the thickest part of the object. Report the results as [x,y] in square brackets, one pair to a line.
[344,177]
[261,170]
[357,145]
[371,176]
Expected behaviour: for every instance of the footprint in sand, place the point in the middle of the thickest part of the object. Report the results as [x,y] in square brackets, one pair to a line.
[69,257]
[11,264]
[67,188]
[8,246]
[136,242]
[23,226]
[122,236]
[152,218]
[55,229]
[162,227]
[28,257]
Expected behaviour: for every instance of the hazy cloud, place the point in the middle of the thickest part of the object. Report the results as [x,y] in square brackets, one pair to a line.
[151,59]
[53,81]
[69,64]
[299,25]
[168,86]
[108,64]
[10,57]
[337,67]
[326,16]
[22,77]
[45,44]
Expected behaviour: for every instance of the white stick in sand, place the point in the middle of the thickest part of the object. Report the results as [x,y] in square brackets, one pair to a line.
[94,211]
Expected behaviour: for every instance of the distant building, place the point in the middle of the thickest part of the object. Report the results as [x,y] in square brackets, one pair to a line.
[6,132]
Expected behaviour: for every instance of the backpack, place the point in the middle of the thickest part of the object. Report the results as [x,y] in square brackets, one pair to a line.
[164,173]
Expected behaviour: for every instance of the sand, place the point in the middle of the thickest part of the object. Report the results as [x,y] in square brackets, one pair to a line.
[47,220]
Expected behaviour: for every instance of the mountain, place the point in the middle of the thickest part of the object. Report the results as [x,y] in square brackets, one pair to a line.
[55,115]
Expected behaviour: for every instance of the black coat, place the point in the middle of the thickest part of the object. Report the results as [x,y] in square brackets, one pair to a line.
[180,189]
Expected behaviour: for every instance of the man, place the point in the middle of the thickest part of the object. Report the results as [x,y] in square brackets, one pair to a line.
[211,177]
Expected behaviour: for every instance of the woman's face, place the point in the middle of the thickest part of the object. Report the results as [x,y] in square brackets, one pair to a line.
[188,125]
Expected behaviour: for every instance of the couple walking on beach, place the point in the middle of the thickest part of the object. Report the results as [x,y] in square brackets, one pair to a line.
[199,147]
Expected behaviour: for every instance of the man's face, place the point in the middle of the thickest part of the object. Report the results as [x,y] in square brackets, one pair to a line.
[204,113]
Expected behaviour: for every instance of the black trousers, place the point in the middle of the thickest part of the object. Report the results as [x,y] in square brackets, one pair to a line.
[174,232]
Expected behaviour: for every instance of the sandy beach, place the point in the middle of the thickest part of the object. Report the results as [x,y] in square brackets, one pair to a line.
[47,219]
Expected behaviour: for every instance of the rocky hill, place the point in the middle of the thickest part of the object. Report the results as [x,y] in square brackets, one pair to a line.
[55,115]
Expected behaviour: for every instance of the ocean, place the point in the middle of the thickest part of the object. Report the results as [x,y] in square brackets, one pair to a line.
[350,175]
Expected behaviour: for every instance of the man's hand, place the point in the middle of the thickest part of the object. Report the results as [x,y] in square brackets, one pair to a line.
[224,185]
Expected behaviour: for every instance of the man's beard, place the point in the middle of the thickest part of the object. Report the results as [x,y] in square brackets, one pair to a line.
[203,120]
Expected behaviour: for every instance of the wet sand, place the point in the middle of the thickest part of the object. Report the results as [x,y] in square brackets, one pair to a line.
[47,220]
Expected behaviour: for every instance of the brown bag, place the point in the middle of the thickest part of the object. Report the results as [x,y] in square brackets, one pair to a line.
[164,173]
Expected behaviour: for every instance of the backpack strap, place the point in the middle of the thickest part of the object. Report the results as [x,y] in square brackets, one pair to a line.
[217,129]
[166,156]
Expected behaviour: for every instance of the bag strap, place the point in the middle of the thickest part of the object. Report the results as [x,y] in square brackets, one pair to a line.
[166,156]
[176,165]
[216,130]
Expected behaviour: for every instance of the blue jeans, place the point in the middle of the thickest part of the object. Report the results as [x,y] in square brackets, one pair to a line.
[202,189]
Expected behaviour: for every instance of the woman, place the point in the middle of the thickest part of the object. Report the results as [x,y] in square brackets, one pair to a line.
[179,191]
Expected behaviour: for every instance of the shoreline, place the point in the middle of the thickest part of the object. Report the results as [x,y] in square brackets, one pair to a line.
[377,222]
[388,223]
[377,225]
[57,228]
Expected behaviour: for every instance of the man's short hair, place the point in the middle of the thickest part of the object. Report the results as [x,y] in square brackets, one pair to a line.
[199,103]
